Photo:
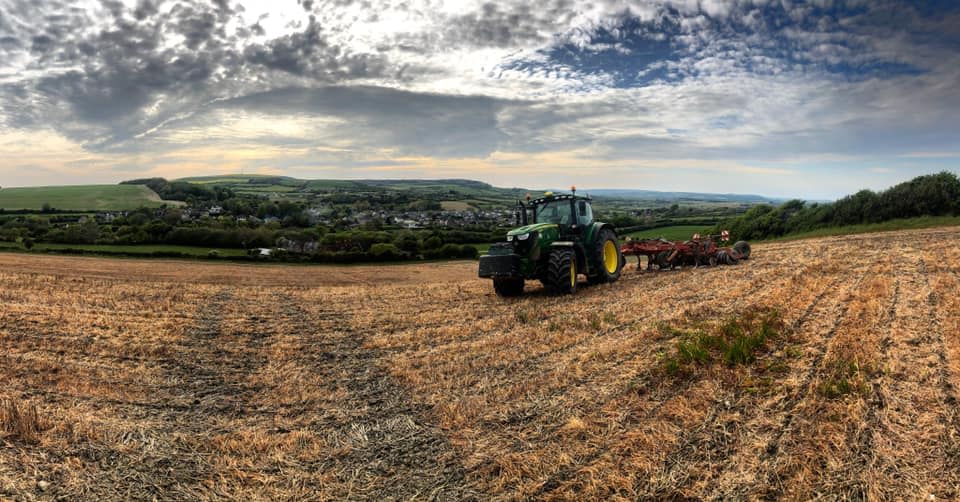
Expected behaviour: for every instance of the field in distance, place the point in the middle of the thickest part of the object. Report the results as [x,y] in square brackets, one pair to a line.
[671,233]
[818,368]
[81,198]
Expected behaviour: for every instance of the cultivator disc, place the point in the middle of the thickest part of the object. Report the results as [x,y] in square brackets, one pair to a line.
[699,251]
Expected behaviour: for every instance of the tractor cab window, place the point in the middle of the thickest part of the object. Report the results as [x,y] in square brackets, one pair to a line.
[585,212]
[558,211]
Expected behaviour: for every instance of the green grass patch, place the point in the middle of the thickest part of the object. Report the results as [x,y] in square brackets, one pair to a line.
[866,228]
[734,342]
[81,198]
[673,233]
[844,378]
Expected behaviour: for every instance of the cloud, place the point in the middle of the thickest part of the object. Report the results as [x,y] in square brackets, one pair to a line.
[610,82]
[359,118]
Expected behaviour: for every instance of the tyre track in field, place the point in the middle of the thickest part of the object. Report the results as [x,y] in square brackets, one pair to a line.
[784,406]
[774,486]
[211,391]
[709,443]
[382,444]
[507,376]
[952,421]
[644,354]
[905,406]
[539,299]
[877,401]
[685,443]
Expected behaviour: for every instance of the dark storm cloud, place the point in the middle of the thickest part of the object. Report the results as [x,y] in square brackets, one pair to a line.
[125,77]
[415,123]
[308,53]
[496,26]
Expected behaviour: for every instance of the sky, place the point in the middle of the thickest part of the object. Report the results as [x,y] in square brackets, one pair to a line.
[775,97]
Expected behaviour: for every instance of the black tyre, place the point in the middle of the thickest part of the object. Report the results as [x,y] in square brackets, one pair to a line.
[562,271]
[607,258]
[663,260]
[742,247]
[508,286]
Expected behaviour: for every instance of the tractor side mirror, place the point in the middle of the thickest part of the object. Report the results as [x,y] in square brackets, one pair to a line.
[517,216]
[583,208]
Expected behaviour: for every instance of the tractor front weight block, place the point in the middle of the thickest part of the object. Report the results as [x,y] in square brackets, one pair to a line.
[492,266]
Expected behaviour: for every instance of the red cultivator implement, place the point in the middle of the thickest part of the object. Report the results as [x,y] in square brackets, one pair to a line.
[698,251]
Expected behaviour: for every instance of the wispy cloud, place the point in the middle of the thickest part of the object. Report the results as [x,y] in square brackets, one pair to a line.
[930,155]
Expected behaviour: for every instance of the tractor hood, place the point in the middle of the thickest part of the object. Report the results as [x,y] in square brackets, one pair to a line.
[534,227]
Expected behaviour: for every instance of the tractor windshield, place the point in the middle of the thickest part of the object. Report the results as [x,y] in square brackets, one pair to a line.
[558,211]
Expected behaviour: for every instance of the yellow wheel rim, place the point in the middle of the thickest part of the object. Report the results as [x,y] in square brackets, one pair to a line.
[573,274]
[610,257]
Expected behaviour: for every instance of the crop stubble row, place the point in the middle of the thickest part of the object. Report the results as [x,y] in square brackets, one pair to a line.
[256,388]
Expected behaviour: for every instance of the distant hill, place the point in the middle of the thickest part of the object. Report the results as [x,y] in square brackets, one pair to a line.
[464,187]
[453,193]
[682,196]
[79,198]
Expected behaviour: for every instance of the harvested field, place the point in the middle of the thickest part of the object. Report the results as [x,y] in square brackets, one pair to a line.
[819,369]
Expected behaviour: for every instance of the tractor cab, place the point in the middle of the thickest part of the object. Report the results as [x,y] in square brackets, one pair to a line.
[556,239]
[568,211]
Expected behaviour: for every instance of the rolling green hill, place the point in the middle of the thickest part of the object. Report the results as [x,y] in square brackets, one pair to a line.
[458,193]
[80,197]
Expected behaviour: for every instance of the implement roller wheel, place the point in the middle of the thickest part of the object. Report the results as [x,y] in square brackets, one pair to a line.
[663,261]
[742,247]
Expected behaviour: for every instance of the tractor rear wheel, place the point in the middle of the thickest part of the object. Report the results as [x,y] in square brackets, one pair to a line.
[562,271]
[607,258]
[508,286]
[742,247]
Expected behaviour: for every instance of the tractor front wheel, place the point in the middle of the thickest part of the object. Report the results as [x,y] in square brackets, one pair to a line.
[606,257]
[508,286]
[562,271]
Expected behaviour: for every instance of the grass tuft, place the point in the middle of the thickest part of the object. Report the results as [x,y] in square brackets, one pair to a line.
[846,378]
[735,342]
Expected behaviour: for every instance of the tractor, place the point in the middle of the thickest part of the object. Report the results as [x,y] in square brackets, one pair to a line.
[557,241]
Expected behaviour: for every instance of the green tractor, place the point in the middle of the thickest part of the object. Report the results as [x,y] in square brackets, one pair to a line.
[561,242]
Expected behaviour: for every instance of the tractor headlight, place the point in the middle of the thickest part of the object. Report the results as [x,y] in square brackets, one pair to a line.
[523,237]
[509,238]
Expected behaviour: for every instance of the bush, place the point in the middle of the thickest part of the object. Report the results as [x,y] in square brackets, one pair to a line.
[384,251]
[432,243]
[931,195]
[469,252]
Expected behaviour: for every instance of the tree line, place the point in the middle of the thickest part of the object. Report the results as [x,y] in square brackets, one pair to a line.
[929,195]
